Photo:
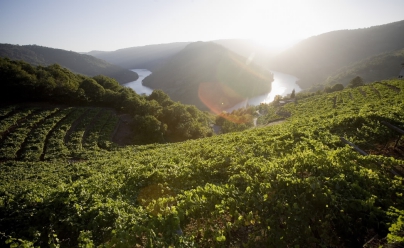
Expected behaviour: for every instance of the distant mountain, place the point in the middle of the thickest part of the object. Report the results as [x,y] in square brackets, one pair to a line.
[210,76]
[257,53]
[152,56]
[79,63]
[315,59]
[376,68]
[142,57]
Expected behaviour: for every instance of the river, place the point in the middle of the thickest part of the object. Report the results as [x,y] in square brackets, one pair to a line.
[137,85]
[283,85]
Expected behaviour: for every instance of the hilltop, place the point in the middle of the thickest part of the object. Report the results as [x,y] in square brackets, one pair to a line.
[315,59]
[153,56]
[209,76]
[78,63]
[143,57]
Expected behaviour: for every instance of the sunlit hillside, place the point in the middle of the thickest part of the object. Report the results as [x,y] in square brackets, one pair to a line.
[315,59]
[151,57]
[210,76]
[231,123]
[286,185]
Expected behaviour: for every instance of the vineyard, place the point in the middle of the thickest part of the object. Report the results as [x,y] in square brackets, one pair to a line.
[54,133]
[295,184]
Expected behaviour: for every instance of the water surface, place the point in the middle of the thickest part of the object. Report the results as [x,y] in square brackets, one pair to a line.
[283,85]
[137,85]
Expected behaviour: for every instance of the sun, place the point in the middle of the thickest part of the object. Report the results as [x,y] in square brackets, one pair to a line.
[275,24]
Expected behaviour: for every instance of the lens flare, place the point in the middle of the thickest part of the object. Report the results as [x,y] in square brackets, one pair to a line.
[235,81]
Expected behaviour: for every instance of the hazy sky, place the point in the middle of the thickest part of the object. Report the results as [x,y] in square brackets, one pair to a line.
[85,25]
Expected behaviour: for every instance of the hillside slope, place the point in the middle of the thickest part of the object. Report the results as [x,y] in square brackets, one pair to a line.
[257,53]
[156,117]
[376,68]
[78,63]
[315,59]
[152,56]
[142,57]
[290,185]
[210,76]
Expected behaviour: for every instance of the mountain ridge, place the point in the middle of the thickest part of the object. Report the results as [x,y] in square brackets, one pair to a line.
[143,57]
[314,59]
[79,63]
[210,76]
[375,68]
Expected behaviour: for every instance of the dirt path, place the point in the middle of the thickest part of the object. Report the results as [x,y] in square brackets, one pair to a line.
[275,122]
[123,134]
[74,125]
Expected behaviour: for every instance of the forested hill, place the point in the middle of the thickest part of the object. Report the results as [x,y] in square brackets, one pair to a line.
[376,68]
[155,118]
[208,75]
[258,53]
[315,59]
[142,57]
[78,63]
[153,56]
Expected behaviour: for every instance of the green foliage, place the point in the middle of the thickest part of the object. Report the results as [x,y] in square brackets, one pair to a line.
[107,82]
[93,91]
[396,235]
[356,82]
[79,63]
[236,121]
[289,185]
[23,82]
[335,87]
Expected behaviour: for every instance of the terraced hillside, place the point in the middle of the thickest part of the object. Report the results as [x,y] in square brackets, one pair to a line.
[295,184]
[30,133]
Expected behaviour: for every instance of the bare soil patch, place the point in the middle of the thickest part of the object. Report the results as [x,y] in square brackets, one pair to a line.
[123,134]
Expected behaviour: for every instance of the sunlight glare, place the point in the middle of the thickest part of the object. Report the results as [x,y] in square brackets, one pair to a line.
[275,24]
[277,89]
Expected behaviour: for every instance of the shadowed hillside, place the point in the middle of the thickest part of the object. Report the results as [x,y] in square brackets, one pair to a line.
[79,63]
[152,56]
[258,54]
[210,76]
[143,57]
[315,59]
[376,68]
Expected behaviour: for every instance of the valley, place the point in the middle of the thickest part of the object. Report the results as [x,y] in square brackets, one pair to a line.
[248,187]
[218,143]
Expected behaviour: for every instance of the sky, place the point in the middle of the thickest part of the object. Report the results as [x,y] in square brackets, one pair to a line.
[83,26]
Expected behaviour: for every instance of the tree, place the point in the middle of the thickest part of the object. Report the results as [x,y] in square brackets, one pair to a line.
[337,87]
[277,98]
[93,91]
[356,82]
[293,94]
[149,127]
[162,98]
[107,82]
[327,89]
